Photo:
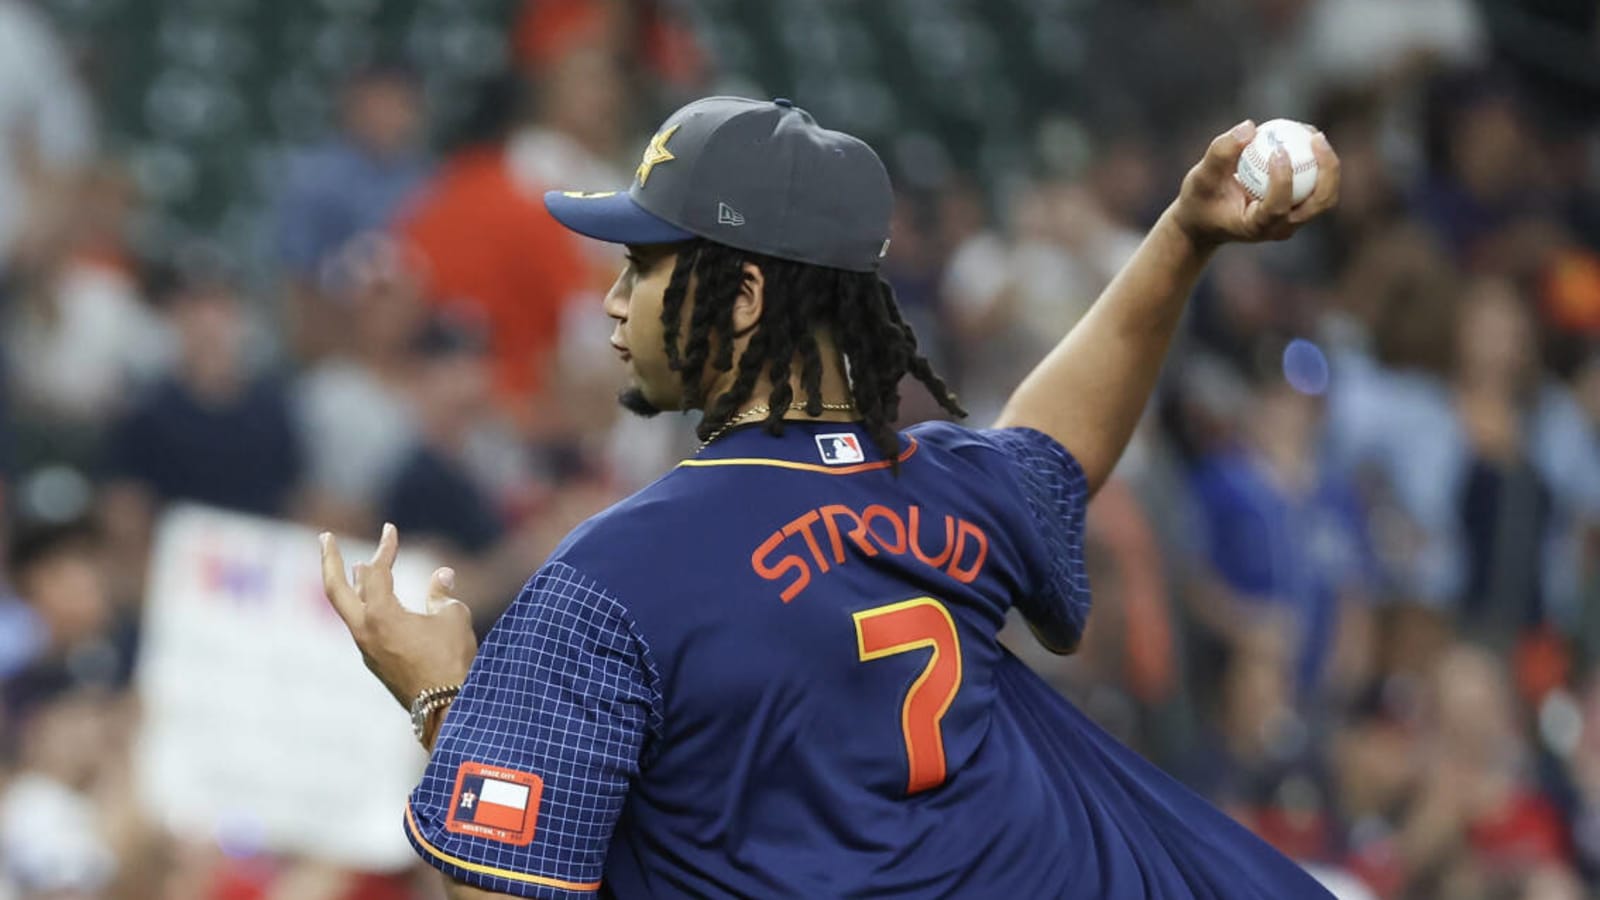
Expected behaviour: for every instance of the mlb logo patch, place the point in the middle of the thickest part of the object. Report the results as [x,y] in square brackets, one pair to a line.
[840,449]
[495,803]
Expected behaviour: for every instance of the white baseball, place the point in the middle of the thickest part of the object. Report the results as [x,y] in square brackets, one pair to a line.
[1295,138]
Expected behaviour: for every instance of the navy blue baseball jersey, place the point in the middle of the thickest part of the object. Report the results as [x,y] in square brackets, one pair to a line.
[775,673]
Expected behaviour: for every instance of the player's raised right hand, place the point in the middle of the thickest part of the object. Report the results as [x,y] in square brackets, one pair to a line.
[1214,208]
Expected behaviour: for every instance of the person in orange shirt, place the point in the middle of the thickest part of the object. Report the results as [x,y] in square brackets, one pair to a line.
[486,242]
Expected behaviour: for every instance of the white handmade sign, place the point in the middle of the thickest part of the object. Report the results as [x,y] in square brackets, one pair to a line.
[262,730]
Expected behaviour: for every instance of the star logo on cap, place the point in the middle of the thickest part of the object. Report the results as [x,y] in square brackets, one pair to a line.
[655,154]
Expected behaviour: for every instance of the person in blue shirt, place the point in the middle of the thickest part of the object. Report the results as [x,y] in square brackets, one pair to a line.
[213,431]
[352,184]
[774,672]
[1283,531]
[434,490]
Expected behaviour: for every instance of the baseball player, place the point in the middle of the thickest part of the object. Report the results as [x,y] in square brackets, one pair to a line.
[774,672]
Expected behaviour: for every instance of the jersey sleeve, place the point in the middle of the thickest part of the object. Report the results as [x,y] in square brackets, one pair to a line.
[1056,494]
[534,759]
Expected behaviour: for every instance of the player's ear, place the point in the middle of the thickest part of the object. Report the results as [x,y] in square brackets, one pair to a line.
[748,305]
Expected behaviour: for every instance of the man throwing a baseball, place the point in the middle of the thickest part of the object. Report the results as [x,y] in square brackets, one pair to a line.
[775,672]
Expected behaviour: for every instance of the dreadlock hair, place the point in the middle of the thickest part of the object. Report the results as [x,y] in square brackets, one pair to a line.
[799,299]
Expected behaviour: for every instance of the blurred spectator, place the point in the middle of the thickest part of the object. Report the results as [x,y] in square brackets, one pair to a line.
[1285,537]
[54,840]
[459,485]
[81,336]
[1506,506]
[1481,157]
[1498,469]
[1351,41]
[433,493]
[46,127]
[1375,763]
[60,576]
[352,407]
[1477,820]
[577,130]
[67,812]
[353,183]
[1323,45]
[1395,301]
[650,32]
[1184,52]
[1257,757]
[1371,185]
[213,432]
[1246,302]
[1014,297]
[489,243]
[465,486]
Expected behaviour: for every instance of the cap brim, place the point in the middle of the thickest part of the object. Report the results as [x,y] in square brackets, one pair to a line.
[611,217]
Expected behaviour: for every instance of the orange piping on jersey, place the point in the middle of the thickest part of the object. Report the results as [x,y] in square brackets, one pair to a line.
[804,467]
[411,823]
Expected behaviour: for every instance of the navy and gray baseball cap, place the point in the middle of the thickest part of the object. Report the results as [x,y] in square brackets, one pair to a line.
[751,174]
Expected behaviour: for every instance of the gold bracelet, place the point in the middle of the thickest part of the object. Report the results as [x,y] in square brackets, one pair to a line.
[427,702]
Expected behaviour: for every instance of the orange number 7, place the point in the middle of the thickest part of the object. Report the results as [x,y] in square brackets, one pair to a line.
[913,625]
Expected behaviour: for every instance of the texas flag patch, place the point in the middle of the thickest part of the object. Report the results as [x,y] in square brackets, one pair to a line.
[495,803]
[840,449]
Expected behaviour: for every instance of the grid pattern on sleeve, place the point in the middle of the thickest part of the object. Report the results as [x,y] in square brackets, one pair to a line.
[1057,494]
[563,687]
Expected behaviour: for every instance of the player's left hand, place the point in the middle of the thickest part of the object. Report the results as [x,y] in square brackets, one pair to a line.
[409,652]
[1214,208]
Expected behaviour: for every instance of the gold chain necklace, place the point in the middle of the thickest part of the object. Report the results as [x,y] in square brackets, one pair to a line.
[755,412]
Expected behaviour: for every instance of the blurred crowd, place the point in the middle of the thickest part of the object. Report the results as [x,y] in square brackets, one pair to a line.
[1347,578]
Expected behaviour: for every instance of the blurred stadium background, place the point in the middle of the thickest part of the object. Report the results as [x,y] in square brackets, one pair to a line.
[287,260]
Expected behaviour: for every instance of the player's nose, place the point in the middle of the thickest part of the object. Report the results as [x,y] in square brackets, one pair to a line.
[616,300]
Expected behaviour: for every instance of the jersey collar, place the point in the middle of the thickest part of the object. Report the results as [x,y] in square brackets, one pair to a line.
[836,447]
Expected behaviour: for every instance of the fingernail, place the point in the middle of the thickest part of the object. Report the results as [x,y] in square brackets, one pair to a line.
[447,577]
[1321,138]
[1242,130]
[388,529]
[323,538]
[1280,156]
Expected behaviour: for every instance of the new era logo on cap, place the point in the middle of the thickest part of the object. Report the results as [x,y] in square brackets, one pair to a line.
[495,803]
[840,449]
[727,215]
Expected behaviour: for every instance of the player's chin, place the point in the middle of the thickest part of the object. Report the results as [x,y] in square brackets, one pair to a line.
[633,399]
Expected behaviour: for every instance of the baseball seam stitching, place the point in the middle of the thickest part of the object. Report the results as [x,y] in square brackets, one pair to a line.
[1256,160]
